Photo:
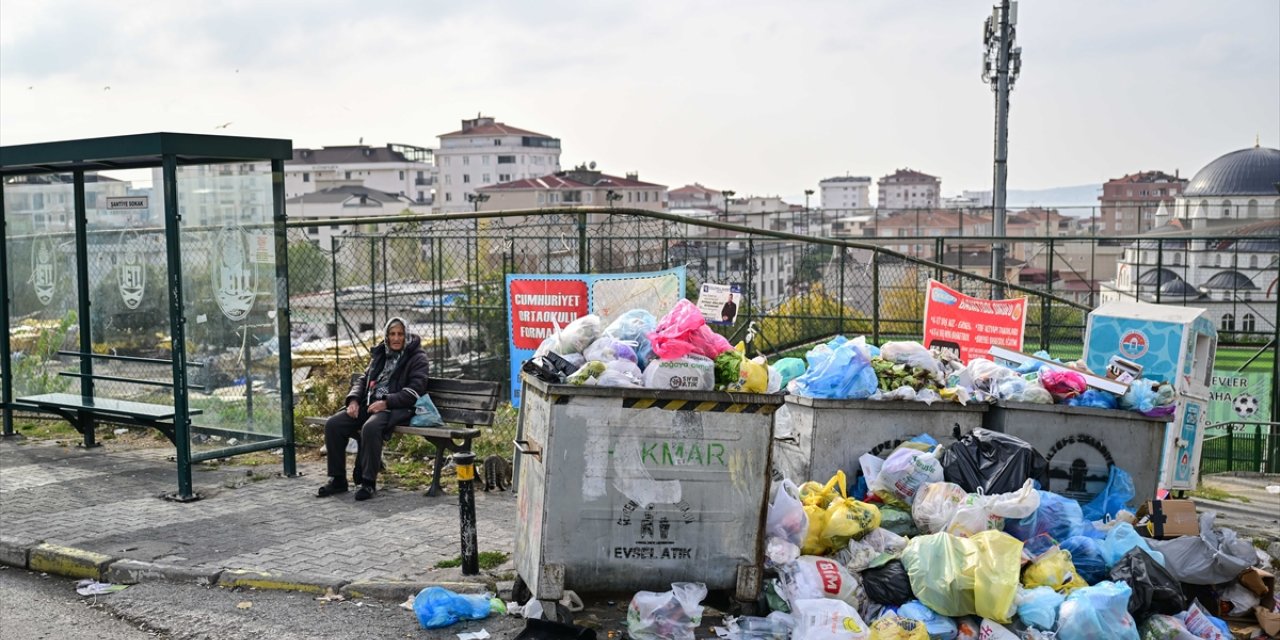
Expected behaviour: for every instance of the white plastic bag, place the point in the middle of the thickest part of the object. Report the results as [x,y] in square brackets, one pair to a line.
[936,504]
[690,373]
[885,541]
[857,556]
[817,577]
[573,338]
[912,354]
[979,512]
[621,373]
[822,619]
[778,626]
[670,615]
[786,518]
[871,465]
[905,473]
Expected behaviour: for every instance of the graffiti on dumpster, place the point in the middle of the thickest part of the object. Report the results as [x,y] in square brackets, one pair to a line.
[1082,463]
[669,453]
[654,541]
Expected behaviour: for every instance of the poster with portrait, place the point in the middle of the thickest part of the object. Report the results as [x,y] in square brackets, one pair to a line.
[719,302]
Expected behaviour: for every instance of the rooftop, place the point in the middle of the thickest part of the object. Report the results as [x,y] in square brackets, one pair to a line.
[1253,171]
[573,179]
[350,154]
[487,126]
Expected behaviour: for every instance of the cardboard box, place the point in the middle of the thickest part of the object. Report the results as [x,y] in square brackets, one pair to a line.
[1165,519]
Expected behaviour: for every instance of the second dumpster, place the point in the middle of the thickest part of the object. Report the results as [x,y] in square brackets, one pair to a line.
[624,489]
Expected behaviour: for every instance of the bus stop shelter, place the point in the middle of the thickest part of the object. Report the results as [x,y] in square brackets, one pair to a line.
[162,307]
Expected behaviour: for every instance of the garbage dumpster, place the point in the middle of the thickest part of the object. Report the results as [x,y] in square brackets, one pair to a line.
[813,438]
[629,489]
[1081,444]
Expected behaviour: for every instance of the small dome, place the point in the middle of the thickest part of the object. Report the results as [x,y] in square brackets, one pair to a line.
[1158,276]
[1231,280]
[1179,288]
[1253,171]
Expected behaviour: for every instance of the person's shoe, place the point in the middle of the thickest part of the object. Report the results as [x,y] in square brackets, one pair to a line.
[332,488]
[365,492]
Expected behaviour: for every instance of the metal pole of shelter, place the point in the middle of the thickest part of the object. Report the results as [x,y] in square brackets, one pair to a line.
[177,328]
[6,373]
[86,420]
[284,317]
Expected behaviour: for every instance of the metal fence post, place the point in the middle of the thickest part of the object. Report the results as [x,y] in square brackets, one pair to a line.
[177,327]
[86,421]
[1159,268]
[284,320]
[875,298]
[6,372]
[583,258]
[840,298]
[333,246]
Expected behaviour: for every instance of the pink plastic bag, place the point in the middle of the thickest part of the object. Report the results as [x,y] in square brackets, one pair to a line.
[685,331]
[1062,384]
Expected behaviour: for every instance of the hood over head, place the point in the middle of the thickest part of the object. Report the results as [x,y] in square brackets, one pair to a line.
[386,330]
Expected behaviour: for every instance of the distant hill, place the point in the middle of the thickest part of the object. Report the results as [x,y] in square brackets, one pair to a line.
[1085,195]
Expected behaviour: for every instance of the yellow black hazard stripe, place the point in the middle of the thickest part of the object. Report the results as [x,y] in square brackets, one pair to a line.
[694,405]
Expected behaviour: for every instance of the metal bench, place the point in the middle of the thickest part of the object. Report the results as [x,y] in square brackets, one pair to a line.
[463,402]
[83,411]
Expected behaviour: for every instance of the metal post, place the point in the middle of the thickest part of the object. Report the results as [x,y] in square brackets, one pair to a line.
[875,298]
[464,462]
[373,286]
[751,280]
[583,260]
[1274,457]
[333,268]
[86,421]
[1000,36]
[284,319]
[1048,283]
[1159,268]
[386,307]
[840,298]
[177,328]
[6,373]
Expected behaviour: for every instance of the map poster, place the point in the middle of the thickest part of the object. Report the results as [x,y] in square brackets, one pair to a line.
[968,326]
[540,304]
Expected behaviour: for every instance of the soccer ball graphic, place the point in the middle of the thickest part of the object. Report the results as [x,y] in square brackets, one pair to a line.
[1245,405]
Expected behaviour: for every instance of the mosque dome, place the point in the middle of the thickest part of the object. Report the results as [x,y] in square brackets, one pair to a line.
[1253,171]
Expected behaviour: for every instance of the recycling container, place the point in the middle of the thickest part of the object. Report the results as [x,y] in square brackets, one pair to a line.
[1083,443]
[632,489]
[814,438]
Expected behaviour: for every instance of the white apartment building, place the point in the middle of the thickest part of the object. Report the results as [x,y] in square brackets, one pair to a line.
[909,189]
[347,200]
[844,195]
[400,169]
[46,203]
[485,152]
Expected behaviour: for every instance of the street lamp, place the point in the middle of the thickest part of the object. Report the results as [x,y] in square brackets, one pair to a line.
[475,199]
[727,194]
[808,217]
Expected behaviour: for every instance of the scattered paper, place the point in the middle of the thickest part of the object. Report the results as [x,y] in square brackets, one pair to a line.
[330,596]
[533,609]
[474,635]
[407,604]
[121,431]
[89,587]
[245,605]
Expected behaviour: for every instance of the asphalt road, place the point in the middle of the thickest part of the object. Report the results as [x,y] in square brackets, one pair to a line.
[48,607]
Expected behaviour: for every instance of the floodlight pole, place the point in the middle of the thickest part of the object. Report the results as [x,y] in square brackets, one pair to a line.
[1006,60]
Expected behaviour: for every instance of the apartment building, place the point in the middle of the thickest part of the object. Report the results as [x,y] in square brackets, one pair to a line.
[485,152]
[909,189]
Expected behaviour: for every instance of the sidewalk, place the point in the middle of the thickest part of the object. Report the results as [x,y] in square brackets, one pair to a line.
[98,513]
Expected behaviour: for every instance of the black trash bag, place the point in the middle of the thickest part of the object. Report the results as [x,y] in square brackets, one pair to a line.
[1155,590]
[888,584]
[993,462]
[536,629]
[548,367]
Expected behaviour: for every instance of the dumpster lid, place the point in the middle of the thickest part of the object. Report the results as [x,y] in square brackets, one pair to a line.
[652,394]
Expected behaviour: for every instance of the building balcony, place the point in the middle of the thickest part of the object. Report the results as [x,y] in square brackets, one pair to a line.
[422,182]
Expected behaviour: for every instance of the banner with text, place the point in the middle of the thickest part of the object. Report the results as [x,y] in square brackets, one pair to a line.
[538,305]
[968,326]
[1240,397]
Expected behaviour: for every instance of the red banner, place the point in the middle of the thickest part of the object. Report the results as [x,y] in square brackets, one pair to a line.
[970,326]
[539,306]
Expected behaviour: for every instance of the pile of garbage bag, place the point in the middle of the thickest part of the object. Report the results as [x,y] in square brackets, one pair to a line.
[680,351]
[962,542]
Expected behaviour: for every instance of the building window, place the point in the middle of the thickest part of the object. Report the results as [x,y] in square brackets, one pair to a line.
[422,197]
[466,178]
[1247,323]
[448,196]
[588,197]
[1177,259]
[402,175]
[466,161]
[1253,262]
[306,177]
[542,198]
[504,177]
[348,174]
[497,142]
[421,175]
[485,179]
[1228,322]
[446,160]
[573,196]
[484,159]
[448,179]
[506,159]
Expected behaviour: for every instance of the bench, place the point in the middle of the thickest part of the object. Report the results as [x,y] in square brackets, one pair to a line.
[462,402]
[83,411]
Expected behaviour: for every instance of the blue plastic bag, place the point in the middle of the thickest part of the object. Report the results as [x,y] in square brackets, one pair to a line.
[1114,497]
[1034,365]
[439,607]
[1057,516]
[1086,555]
[635,326]
[1120,540]
[1095,399]
[937,625]
[840,372]
[1038,607]
[425,413]
[1100,612]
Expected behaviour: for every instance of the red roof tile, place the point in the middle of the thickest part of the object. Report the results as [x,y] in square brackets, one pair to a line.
[495,129]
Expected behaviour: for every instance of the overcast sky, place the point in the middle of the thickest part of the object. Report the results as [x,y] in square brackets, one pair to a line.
[763,97]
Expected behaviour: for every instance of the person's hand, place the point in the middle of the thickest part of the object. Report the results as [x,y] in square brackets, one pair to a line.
[353,408]
[378,406]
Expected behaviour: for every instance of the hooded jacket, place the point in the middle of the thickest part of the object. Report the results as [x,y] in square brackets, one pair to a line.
[408,381]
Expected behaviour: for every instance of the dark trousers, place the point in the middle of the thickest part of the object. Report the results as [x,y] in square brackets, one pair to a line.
[372,430]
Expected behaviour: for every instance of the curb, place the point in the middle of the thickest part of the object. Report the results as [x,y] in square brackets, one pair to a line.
[67,561]
[135,571]
[278,581]
[16,552]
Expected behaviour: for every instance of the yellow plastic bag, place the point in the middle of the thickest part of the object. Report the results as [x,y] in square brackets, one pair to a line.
[893,627]
[816,498]
[752,378]
[997,557]
[1056,571]
[847,519]
[821,495]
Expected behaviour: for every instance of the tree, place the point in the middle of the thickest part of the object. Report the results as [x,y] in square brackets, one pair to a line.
[813,315]
[310,268]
